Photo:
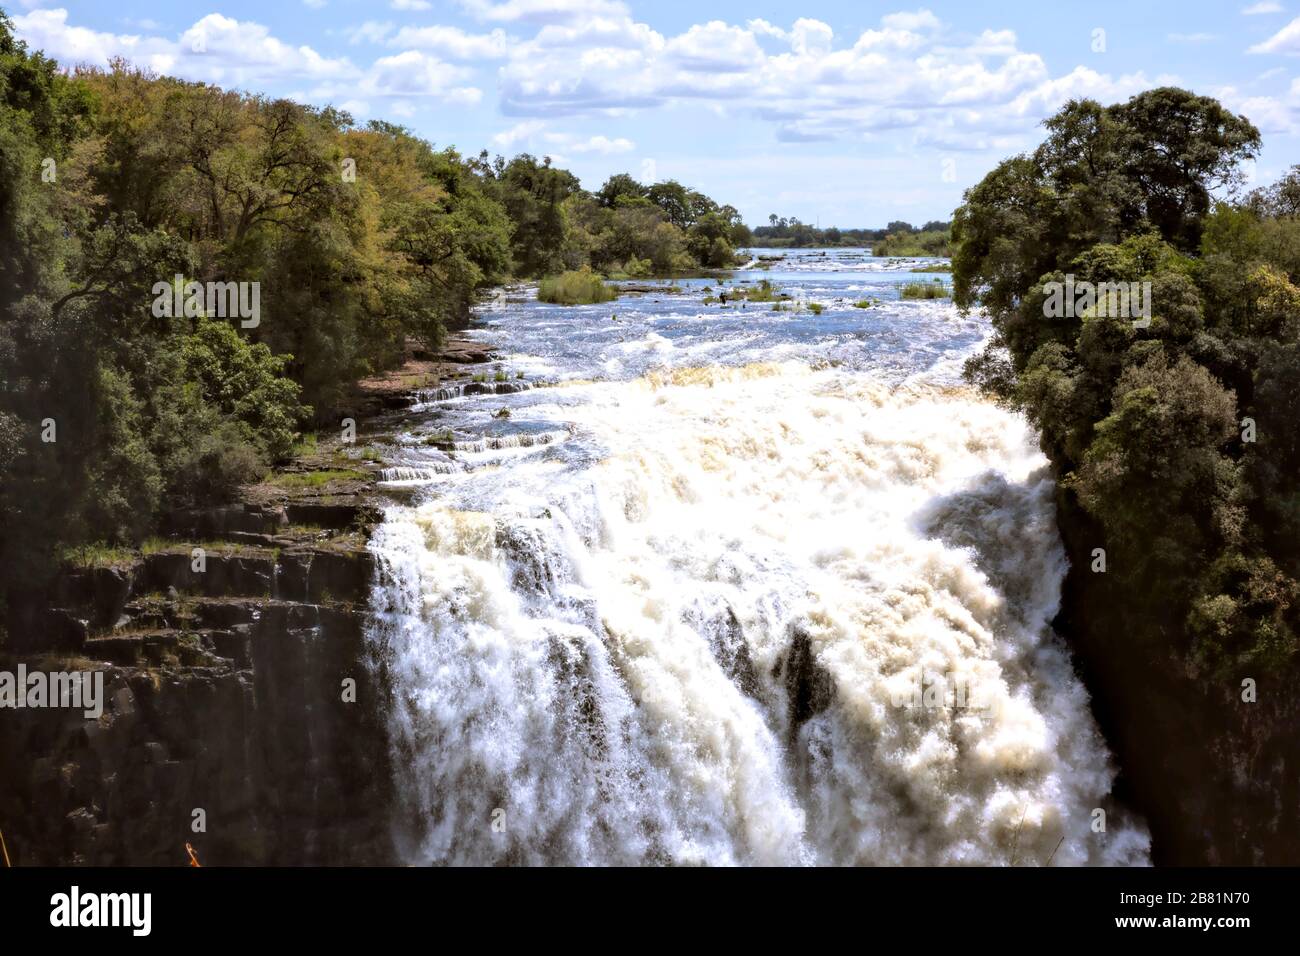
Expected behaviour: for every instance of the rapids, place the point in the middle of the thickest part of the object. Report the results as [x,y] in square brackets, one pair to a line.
[733,586]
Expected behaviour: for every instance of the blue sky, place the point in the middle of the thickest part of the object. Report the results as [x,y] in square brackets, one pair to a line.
[846,113]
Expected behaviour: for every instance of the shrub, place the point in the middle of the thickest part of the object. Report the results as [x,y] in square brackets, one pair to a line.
[246,382]
[924,290]
[764,291]
[580,287]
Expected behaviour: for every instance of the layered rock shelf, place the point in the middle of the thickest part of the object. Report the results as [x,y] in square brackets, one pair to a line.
[243,713]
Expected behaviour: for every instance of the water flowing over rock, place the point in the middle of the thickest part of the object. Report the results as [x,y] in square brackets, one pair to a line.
[779,611]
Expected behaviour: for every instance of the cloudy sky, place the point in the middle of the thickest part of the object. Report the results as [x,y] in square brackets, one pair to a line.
[847,113]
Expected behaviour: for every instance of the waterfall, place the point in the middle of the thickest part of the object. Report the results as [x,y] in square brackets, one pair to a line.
[783,615]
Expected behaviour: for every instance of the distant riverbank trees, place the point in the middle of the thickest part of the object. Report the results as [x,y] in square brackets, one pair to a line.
[895,239]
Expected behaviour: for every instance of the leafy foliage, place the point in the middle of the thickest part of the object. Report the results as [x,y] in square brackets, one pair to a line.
[1178,436]
[360,240]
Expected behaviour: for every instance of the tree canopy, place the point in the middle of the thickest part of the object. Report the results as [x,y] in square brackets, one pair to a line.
[1179,436]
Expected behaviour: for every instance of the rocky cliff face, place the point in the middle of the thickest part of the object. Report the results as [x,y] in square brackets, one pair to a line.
[227,689]
[227,701]
[1216,776]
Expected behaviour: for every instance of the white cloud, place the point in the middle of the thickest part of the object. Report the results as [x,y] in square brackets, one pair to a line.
[529,132]
[762,27]
[591,58]
[48,30]
[372,31]
[811,37]
[920,20]
[1255,9]
[215,49]
[603,145]
[1286,40]
[240,51]
[519,133]
[454,42]
[544,11]
[243,54]
[411,5]
[715,46]
[1272,114]
[412,73]
[315,4]
[955,91]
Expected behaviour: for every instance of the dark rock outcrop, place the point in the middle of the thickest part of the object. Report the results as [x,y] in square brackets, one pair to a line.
[808,684]
[240,696]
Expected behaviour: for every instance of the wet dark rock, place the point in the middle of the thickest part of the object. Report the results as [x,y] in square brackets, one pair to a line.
[808,684]
[223,575]
[260,739]
[332,514]
[727,641]
[103,592]
[36,629]
[526,550]
[325,575]
[145,647]
[223,521]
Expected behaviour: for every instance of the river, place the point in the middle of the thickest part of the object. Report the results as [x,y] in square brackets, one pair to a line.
[727,585]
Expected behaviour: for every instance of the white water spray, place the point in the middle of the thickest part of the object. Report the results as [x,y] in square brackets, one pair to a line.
[786,616]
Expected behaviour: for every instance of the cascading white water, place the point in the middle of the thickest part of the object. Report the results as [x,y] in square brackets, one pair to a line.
[766,614]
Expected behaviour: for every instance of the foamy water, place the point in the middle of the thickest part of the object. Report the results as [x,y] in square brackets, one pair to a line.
[778,594]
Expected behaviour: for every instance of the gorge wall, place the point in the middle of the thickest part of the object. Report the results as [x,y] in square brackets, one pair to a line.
[1216,777]
[224,692]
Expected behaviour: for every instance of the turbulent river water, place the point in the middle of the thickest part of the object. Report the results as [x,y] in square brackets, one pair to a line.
[694,584]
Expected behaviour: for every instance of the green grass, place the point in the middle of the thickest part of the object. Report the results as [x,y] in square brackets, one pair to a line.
[940,267]
[345,456]
[423,380]
[936,289]
[582,287]
[316,479]
[815,308]
[306,445]
[764,291]
[501,376]
[864,303]
[155,545]
[98,555]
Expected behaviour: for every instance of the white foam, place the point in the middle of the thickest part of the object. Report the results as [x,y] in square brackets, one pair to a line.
[556,656]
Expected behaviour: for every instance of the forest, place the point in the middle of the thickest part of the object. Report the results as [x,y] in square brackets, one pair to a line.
[1179,436]
[357,240]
